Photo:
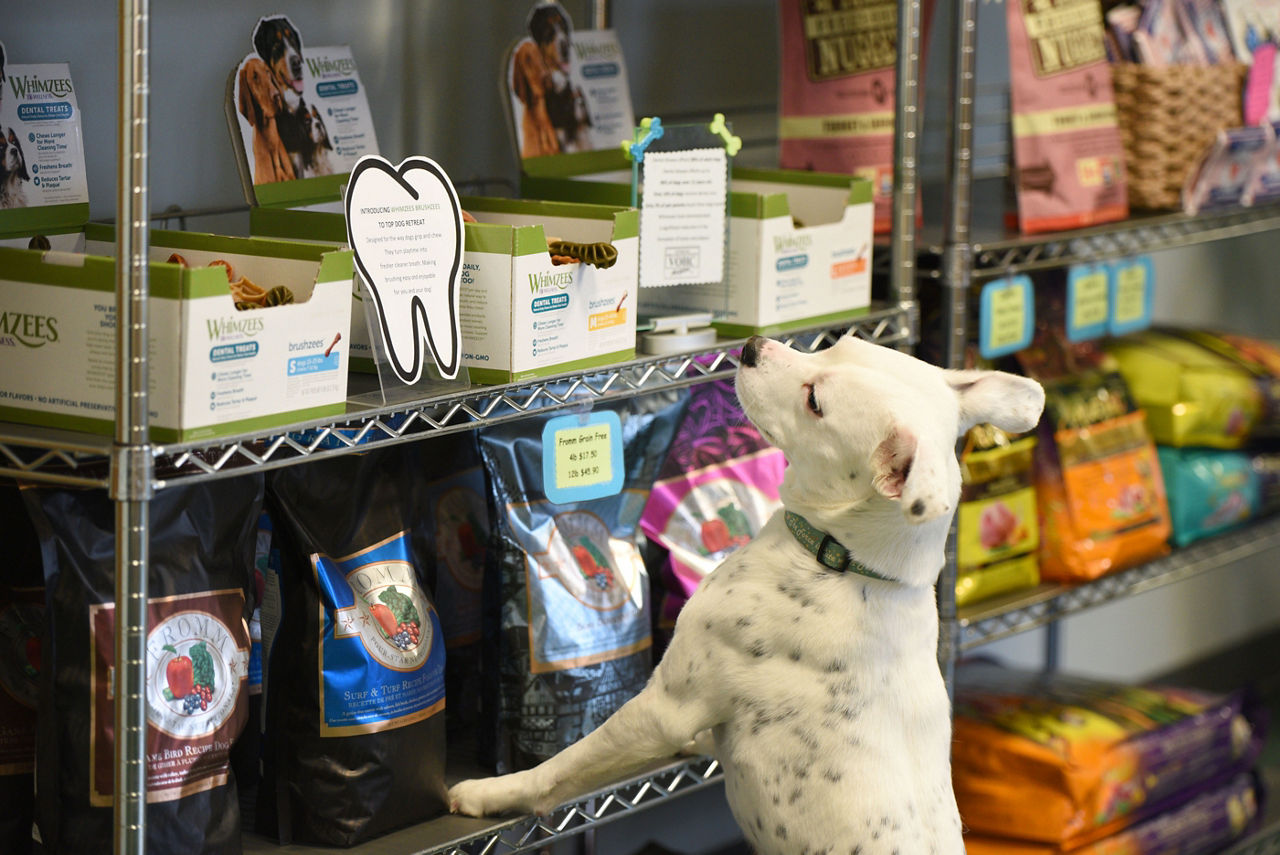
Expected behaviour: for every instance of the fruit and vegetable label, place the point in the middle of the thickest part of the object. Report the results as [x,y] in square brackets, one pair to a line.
[197,702]
[1006,316]
[1132,294]
[582,457]
[21,623]
[43,183]
[381,648]
[1088,301]
[587,601]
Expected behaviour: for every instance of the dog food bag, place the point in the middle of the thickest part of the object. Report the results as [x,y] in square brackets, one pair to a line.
[998,533]
[1064,760]
[354,686]
[199,600]
[22,627]
[1199,388]
[1206,823]
[1100,495]
[1069,163]
[574,639]
[1210,490]
[839,73]
[716,489]
[458,513]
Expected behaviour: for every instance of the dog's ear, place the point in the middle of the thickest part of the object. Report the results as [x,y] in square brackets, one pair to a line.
[905,469]
[1009,402]
[22,158]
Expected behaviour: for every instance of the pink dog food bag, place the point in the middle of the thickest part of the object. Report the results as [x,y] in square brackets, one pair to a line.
[838,79]
[1069,163]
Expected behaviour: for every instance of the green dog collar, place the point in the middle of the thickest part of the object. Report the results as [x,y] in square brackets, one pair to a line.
[829,551]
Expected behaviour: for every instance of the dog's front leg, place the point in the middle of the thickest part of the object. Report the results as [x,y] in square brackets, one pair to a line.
[658,722]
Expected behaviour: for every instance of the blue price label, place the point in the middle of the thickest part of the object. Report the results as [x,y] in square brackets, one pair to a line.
[1088,301]
[1006,316]
[582,457]
[1132,294]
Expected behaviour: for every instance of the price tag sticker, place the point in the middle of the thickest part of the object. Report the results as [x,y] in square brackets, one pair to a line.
[1006,316]
[1088,301]
[582,457]
[1132,294]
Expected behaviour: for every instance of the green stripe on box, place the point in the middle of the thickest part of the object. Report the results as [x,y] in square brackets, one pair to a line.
[60,219]
[336,266]
[28,265]
[487,237]
[493,376]
[529,240]
[743,330]
[626,224]
[576,190]
[254,425]
[265,247]
[539,208]
[41,418]
[758,206]
[318,226]
[303,191]
[577,163]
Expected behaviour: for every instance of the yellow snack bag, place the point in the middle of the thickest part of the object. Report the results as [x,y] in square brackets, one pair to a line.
[997,528]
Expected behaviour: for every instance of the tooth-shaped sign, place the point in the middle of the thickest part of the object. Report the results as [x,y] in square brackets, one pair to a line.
[405,226]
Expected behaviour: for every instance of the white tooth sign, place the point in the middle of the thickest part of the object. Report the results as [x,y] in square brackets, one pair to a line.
[404,225]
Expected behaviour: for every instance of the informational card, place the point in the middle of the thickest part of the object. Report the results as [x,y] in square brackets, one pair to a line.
[41,149]
[404,224]
[1132,294]
[600,73]
[683,217]
[1088,301]
[301,111]
[582,457]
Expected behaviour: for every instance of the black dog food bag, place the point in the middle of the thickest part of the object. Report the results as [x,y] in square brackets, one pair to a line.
[574,636]
[199,601]
[353,686]
[22,626]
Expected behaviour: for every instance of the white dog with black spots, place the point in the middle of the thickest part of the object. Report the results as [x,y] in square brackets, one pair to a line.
[807,661]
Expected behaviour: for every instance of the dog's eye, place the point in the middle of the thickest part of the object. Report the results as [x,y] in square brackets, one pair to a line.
[812,401]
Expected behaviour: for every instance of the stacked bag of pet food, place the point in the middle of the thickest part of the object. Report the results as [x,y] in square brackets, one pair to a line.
[1213,404]
[570,609]
[1052,764]
[717,487]
[1196,88]
[1099,491]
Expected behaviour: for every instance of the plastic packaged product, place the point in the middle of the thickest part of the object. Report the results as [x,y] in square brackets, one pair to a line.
[22,627]
[1101,498]
[836,98]
[1206,823]
[574,639]
[1199,388]
[246,754]
[717,488]
[199,600]
[1066,143]
[997,529]
[1226,171]
[1263,186]
[1210,490]
[354,690]
[1203,21]
[1160,40]
[1065,761]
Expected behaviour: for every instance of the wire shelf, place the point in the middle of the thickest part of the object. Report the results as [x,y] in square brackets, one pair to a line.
[1006,616]
[37,454]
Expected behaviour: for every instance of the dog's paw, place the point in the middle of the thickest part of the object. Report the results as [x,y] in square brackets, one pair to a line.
[489,796]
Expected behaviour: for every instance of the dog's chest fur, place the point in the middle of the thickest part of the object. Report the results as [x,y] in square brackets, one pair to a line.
[838,730]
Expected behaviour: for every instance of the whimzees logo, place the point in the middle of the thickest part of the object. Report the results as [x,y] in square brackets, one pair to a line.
[27,330]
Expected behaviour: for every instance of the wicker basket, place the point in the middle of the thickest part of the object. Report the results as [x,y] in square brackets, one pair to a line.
[1168,118]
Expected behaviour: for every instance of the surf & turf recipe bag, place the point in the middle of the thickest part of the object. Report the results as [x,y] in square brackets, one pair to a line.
[574,639]
[353,686]
[199,601]
[1067,153]
[22,626]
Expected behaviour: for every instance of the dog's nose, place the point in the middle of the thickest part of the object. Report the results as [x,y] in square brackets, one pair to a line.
[751,351]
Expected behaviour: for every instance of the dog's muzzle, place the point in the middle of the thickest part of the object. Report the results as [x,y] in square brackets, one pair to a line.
[751,351]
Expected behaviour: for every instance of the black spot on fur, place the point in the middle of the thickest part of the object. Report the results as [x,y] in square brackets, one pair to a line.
[743,621]
[758,648]
[917,507]
[796,795]
[781,832]
[794,655]
[835,666]
[864,593]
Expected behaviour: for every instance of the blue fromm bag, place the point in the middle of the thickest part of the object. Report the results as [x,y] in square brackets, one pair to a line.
[573,635]
[353,686]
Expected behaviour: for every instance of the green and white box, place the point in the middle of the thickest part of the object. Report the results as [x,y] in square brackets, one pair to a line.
[800,242]
[213,371]
[521,316]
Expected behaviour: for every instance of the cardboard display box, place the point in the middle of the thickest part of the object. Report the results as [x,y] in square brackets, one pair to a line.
[521,315]
[214,370]
[799,242]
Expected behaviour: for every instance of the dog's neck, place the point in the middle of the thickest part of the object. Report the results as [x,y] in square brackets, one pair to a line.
[877,534]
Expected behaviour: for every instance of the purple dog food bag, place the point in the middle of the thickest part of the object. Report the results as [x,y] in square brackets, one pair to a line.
[1069,162]
[717,487]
